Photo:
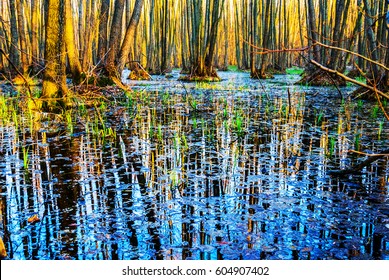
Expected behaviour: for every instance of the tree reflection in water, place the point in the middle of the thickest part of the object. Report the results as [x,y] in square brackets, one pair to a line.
[201,191]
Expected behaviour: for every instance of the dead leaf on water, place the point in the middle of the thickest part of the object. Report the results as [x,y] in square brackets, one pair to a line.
[306,249]
[33,219]
[3,252]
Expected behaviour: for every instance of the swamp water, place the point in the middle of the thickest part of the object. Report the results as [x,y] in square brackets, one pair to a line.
[231,170]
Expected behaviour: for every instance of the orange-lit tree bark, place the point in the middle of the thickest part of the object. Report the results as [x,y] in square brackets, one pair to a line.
[71,50]
[151,61]
[35,54]
[312,28]
[254,73]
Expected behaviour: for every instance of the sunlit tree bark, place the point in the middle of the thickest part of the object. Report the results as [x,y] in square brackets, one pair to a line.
[34,37]
[336,61]
[72,52]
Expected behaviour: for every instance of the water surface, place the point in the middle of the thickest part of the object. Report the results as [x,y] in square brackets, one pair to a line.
[231,170]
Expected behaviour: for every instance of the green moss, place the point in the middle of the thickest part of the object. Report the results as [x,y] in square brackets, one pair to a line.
[294,71]
[233,68]
[199,79]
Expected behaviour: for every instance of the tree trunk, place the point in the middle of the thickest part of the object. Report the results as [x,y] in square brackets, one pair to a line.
[150,65]
[267,37]
[54,76]
[253,36]
[164,37]
[13,48]
[204,29]
[313,29]
[103,31]
[129,36]
[371,38]
[88,36]
[72,52]
[114,40]
[34,37]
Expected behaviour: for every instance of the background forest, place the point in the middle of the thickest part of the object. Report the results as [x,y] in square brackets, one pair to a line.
[100,38]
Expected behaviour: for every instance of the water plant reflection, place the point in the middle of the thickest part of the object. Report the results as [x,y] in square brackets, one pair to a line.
[233,177]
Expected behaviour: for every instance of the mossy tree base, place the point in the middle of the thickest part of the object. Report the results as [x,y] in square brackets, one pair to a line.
[260,75]
[320,77]
[185,71]
[202,73]
[368,94]
[354,73]
[193,78]
[139,74]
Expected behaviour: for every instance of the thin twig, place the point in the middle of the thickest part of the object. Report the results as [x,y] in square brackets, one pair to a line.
[353,53]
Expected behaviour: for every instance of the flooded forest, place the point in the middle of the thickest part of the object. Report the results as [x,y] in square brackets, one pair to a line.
[194,129]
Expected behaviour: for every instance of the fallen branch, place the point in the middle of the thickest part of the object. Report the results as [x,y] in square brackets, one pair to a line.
[383,154]
[373,89]
[357,168]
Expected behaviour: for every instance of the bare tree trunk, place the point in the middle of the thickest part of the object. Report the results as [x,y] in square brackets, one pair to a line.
[72,52]
[114,39]
[103,31]
[374,71]
[267,37]
[22,38]
[151,42]
[88,36]
[129,36]
[34,36]
[253,34]
[204,29]
[313,29]
[338,32]
[54,76]
[184,39]
[13,48]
